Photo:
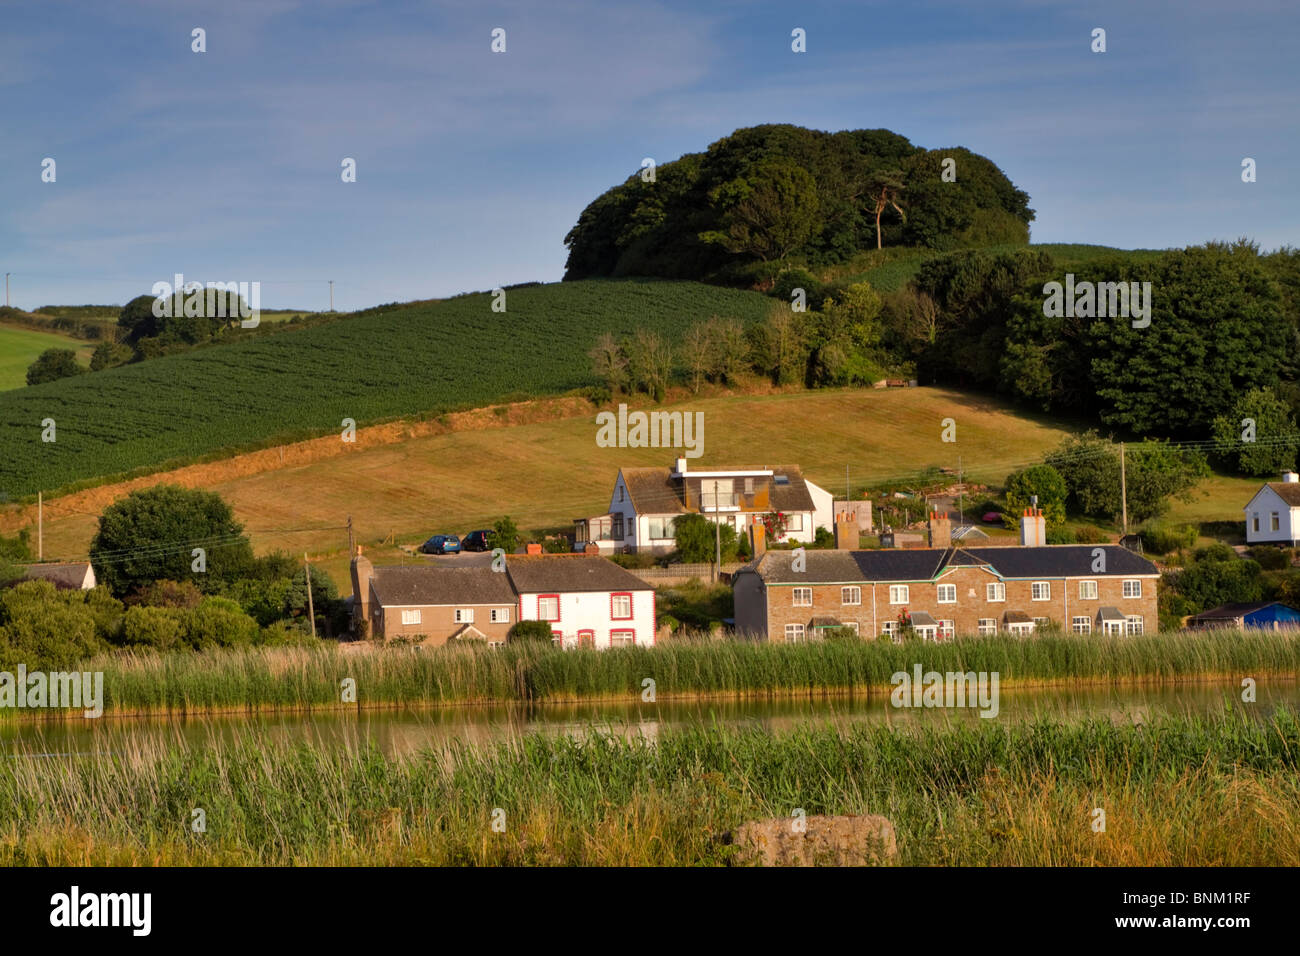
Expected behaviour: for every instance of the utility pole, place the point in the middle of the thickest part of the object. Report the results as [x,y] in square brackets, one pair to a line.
[311,608]
[352,541]
[961,495]
[6,290]
[331,282]
[40,526]
[717,533]
[1123,490]
[847,495]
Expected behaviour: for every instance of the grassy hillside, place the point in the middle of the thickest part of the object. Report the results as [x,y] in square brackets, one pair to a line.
[423,358]
[20,347]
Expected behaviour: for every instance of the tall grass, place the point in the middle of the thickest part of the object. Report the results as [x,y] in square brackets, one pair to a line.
[308,678]
[1177,791]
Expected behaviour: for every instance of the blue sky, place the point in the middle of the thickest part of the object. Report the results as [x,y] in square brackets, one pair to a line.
[471,166]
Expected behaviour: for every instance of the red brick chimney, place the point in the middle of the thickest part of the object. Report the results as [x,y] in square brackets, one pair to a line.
[940,530]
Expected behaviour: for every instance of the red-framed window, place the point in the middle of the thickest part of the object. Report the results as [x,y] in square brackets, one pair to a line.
[622,638]
[620,606]
[557,637]
[586,638]
[544,616]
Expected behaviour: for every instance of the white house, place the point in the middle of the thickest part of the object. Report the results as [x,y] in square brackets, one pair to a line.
[1273,515]
[588,600]
[647,501]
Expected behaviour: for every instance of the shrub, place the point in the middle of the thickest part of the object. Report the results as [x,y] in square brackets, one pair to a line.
[539,631]
[181,594]
[824,538]
[1162,539]
[219,622]
[1270,558]
[44,628]
[1061,536]
[157,627]
[1089,534]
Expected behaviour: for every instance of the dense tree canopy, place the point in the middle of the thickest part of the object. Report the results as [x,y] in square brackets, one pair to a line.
[768,193]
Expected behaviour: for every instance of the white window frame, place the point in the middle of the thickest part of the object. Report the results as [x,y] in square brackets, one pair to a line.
[1255,517]
[410,616]
[548,598]
[797,592]
[988,625]
[464,615]
[852,625]
[1041,622]
[499,615]
[995,592]
[1137,584]
[1274,521]
[900,594]
[1047,591]
[795,633]
[794,522]
[850,592]
[1134,624]
[890,629]
[614,610]
[943,589]
[1081,624]
[947,631]
[1088,590]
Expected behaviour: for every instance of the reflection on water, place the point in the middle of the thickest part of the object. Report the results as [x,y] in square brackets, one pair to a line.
[407,731]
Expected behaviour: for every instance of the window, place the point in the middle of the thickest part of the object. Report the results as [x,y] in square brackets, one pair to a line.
[946,630]
[890,629]
[749,486]
[1273,523]
[850,595]
[1133,588]
[548,607]
[1133,624]
[988,626]
[617,533]
[1081,625]
[926,631]
[1255,521]
[410,617]
[586,638]
[1087,590]
[496,643]
[947,594]
[793,633]
[557,638]
[899,594]
[499,615]
[803,597]
[620,606]
[660,528]
[794,522]
[996,591]
[852,626]
[1041,622]
[1041,591]
[464,615]
[622,638]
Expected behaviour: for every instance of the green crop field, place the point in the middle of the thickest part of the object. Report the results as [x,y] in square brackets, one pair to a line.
[20,347]
[423,358]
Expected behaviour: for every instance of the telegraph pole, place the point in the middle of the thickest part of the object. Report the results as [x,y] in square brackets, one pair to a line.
[961,495]
[717,533]
[1123,490]
[7,290]
[331,282]
[352,541]
[40,526]
[311,608]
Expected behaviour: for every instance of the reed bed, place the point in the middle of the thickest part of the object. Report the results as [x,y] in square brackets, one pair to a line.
[1178,791]
[307,678]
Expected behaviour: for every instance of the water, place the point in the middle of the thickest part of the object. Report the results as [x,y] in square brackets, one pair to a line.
[406,731]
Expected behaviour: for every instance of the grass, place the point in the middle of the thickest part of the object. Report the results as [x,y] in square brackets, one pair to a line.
[1177,791]
[305,678]
[419,486]
[423,358]
[19,348]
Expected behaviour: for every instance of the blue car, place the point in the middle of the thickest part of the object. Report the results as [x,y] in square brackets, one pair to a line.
[442,544]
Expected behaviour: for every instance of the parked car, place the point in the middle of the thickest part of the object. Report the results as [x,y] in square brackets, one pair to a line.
[992,517]
[475,541]
[442,544]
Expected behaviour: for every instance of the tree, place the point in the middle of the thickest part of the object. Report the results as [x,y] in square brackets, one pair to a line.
[696,539]
[1258,437]
[695,358]
[44,628]
[151,535]
[779,346]
[727,349]
[650,363]
[504,535]
[846,334]
[768,213]
[886,184]
[109,355]
[609,363]
[529,632]
[1042,481]
[1154,473]
[53,364]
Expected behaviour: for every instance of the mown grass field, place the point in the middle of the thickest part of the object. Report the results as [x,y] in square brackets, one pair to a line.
[548,473]
[19,348]
[1176,791]
[420,359]
[309,677]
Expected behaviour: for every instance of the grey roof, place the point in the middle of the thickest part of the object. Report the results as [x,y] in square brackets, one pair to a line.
[1230,612]
[922,619]
[1017,617]
[924,564]
[414,585]
[825,622]
[1288,491]
[792,497]
[1110,614]
[559,573]
[655,491]
[69,576]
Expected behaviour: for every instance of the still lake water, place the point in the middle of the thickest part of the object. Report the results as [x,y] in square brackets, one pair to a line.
[406,731]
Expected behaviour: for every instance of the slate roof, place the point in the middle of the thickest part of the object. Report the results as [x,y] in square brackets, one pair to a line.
[69,576]
[924,564]
[922,619]
[560,573]
[1110,614]
[1017,617]
[415,585]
